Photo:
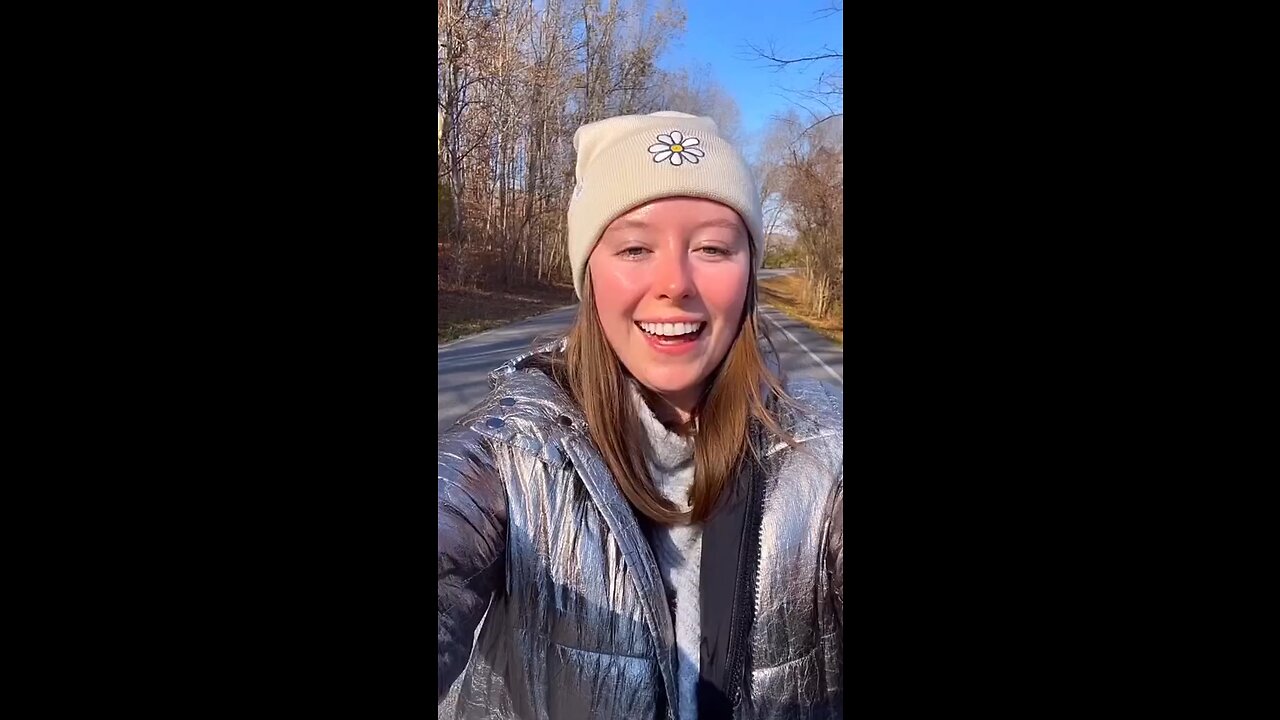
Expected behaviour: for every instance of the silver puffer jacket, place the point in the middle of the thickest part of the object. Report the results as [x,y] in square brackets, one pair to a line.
[537,539]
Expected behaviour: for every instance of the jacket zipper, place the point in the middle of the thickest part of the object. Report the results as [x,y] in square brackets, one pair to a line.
[745,599]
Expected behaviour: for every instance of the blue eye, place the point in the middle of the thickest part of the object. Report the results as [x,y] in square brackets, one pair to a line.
[633,252]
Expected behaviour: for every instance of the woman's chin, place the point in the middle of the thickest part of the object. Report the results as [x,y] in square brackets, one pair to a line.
[674,388]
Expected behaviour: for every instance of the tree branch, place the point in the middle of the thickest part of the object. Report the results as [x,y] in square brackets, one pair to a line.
[779,62]
[836,7]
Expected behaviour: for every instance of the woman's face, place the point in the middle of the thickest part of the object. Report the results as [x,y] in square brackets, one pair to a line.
[669,280]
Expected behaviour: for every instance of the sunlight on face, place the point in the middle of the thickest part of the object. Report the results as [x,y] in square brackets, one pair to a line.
[669,280]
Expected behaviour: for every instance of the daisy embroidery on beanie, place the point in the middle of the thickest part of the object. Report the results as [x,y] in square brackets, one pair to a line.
[677,148]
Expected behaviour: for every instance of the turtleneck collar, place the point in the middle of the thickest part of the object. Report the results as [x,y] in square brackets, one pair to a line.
[669,454]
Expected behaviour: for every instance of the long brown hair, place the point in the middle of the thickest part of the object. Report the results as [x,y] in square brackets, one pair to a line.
[737,394]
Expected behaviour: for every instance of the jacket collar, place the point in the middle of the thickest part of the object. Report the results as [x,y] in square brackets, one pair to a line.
[635,549]
[575,445]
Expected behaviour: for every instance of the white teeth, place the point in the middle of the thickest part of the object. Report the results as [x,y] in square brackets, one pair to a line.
[668,329]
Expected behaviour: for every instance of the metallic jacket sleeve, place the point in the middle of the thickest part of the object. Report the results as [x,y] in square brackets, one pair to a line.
[472,509]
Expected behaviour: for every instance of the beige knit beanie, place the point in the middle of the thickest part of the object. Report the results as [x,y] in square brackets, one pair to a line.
[626,161]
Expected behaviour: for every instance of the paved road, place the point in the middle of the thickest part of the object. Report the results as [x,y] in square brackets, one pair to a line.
[464,365]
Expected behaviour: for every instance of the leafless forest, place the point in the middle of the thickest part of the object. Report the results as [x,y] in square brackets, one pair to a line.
[515,79]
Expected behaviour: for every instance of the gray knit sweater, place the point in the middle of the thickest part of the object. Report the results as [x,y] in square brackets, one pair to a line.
[678,549]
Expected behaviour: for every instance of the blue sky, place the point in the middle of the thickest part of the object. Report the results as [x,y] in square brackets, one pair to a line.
[716,34]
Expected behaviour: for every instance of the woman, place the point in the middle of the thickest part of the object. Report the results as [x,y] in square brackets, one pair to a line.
[649,525]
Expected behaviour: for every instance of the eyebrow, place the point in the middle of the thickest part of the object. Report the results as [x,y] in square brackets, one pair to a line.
[721,223]
[628,224]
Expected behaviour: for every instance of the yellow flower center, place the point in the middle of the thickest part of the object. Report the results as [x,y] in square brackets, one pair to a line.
[677,148]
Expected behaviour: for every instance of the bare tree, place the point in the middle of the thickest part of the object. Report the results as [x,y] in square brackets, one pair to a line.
[803,175]
[695,91]
[801,166]
[515,78]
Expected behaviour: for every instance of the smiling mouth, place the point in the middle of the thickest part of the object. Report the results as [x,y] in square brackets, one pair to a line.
[671,333]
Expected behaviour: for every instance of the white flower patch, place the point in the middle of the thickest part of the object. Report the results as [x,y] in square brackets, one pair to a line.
[677,148]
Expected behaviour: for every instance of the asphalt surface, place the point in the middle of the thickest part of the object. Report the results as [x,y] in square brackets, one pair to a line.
[464,365]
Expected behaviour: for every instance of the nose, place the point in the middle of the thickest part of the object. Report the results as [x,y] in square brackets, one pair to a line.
[672,279]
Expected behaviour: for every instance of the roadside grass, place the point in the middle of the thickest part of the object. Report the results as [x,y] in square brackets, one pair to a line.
[784,294]
[467,311]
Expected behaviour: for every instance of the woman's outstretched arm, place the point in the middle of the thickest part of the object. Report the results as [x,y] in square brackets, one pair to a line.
[472,527]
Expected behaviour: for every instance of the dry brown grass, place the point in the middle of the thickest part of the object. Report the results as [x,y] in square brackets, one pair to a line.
[467,311]
[784,293]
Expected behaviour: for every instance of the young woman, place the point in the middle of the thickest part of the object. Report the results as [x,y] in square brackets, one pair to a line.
[649,523]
